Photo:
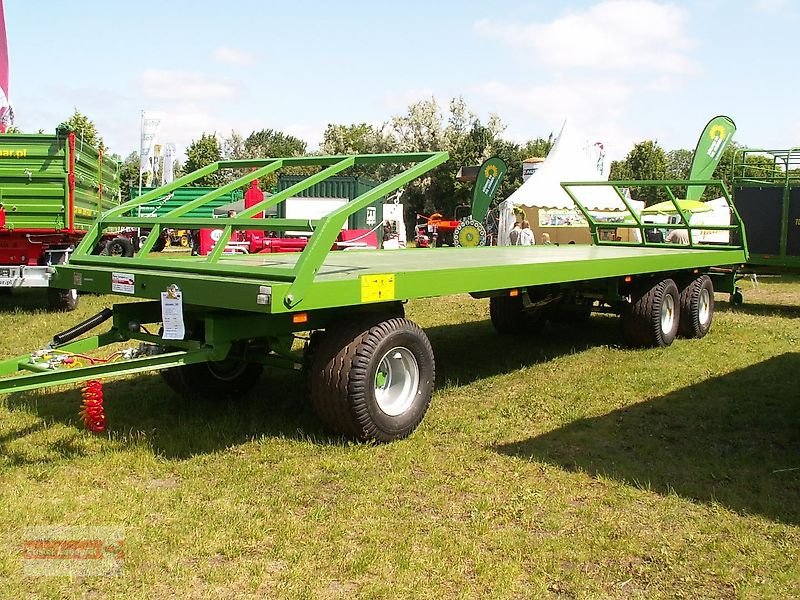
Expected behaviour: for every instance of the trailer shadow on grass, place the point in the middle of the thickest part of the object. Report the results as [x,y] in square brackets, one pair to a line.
[143,410]
[473,351]
[784,311]
[732,440]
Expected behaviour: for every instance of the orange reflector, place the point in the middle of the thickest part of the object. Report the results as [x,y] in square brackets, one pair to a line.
[696,271]
[300,318]
[513,293]
[628,279]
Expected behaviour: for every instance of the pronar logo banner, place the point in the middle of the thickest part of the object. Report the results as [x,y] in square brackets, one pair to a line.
[712,143]
[489,179]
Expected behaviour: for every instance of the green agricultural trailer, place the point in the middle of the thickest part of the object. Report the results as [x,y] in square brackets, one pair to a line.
[766,191]
[52,188]
[211,324]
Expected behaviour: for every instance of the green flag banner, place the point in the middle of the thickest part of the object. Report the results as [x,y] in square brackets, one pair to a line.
[490,176]
[712,143]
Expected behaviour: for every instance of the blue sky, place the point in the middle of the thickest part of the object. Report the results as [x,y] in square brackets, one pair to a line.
[620,70]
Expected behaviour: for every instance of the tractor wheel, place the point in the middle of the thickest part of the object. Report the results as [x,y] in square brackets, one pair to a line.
[59,300]
[469,233]
[184,241]
[372,378]
[213,380]
[697,307]
[509,316]
[119,246]
[652,317]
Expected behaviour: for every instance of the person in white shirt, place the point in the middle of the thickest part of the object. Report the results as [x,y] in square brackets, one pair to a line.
[526,235]
[678,236]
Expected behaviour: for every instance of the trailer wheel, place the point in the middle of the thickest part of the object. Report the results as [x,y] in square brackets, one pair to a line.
[119,246]
[59,300]
[372,379]
[696,307]
[213,380]
[509,316]
[652,317]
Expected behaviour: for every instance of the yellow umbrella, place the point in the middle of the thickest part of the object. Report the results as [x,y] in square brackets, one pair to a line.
[666,208]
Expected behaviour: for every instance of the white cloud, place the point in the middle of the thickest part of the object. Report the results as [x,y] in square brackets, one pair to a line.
[596,108]
[558,99]
[232,56]
[772,7]
[614,35]
[398,102]
[178,85]
[311,133]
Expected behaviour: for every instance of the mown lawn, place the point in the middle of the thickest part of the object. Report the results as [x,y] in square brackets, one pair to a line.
[564,467]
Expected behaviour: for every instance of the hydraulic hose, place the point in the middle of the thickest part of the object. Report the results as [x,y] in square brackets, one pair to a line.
[82,327]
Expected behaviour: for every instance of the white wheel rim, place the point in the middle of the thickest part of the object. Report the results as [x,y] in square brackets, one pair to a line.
[704,307]
[396,381]
[667,313]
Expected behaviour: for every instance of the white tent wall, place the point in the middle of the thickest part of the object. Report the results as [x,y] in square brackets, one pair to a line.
[550,209]
[572,158]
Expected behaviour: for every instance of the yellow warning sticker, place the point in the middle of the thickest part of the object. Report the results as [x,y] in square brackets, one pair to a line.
[377,288]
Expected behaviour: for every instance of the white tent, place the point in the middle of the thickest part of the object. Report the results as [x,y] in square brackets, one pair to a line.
[571,158]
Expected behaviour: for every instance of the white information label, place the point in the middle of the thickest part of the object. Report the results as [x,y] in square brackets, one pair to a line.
[123,283]
[172,315]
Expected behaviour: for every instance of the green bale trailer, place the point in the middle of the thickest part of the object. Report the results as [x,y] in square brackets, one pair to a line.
[52,188]
[766,191]
[212,324]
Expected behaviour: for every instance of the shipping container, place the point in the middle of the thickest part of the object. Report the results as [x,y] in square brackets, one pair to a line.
[347,188]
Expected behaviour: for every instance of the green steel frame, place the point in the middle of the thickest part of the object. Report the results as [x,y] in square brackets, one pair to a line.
[783,173]
[667,186]
[232,303]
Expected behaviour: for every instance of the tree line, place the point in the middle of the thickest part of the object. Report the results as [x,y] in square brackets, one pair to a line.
[423,127]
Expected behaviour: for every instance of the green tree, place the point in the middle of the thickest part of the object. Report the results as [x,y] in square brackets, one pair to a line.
[201,153]
[129,175]
[268,143]
[83,127]
[678,163]
[361,138]
[646,161]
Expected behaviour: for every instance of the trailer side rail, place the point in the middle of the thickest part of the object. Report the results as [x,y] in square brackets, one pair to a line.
[737,241]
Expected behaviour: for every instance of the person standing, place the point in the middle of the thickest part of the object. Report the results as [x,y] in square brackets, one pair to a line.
[526,235]
[514,234]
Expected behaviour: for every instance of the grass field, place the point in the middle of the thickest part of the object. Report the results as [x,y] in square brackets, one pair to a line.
[563,467]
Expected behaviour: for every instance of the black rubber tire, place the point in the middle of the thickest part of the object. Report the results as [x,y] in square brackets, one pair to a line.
[59,300]
[211,381]
[119,246]
[6,291]
[160,244]
[642,318]
[697,307]
[344,369]
[509,316]
[737,298]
